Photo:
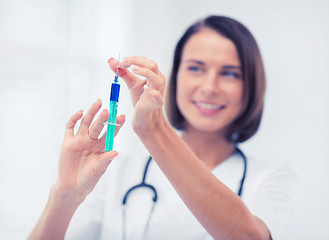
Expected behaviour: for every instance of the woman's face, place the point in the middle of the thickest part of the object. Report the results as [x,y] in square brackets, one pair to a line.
[209,82]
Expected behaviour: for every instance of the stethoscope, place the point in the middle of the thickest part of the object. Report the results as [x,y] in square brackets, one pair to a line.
[143,184]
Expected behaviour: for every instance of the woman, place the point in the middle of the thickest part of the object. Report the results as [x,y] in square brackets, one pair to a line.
[215,98]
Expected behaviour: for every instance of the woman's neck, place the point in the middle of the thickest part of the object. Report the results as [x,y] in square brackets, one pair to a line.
[211,148]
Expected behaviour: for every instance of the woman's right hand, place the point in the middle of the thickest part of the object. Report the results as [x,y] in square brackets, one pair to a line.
[82,159]
[146,85]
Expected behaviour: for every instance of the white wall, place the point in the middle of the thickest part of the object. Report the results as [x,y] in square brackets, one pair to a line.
[53,62]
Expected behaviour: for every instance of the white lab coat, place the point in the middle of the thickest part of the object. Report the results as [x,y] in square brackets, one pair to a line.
[269,193]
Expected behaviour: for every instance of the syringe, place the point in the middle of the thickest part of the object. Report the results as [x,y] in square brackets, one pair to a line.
[111,123]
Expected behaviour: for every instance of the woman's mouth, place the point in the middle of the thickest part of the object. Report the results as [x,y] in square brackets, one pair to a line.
[208,108]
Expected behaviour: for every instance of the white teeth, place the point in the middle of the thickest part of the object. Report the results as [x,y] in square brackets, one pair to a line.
[209,106]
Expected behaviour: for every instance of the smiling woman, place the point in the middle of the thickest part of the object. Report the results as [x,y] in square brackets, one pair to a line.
[216,94]
[228,50]
[209,93]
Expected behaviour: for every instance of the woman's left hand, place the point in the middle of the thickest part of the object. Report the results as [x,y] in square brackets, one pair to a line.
[146,94]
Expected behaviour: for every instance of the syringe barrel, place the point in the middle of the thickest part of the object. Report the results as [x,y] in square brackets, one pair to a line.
[114,98]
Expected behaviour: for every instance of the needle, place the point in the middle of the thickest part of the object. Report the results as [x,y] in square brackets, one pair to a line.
[117,72]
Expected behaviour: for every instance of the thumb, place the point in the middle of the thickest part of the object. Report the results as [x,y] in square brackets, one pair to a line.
[103,162]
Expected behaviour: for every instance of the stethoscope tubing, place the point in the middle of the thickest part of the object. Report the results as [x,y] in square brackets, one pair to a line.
[143,184]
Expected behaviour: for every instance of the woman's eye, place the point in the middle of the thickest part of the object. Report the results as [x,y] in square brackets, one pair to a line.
[231,74]
[194,69]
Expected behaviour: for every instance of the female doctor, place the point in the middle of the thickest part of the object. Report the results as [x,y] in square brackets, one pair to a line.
[201,184]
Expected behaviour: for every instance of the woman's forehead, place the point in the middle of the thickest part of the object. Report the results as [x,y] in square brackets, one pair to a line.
[209,45]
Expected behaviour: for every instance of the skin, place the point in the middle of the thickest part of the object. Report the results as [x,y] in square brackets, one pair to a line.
[209,94]
[186,161]
[82,163]
[221,212]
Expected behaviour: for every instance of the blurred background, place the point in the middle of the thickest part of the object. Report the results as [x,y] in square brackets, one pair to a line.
[53,62]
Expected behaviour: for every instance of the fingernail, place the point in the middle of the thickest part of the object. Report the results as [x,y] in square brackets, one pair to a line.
[125,63]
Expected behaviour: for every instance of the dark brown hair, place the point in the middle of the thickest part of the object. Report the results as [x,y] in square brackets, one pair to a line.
[247,123]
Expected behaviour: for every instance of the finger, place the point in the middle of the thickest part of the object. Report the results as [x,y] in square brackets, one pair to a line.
[98,125]
[69,129]
[124,64]
[130,79]
[153,98]
[148,69]
[133,82]
[120,121]
[153,80]
[152,102]
[142,62]
[88,118]
[101,164]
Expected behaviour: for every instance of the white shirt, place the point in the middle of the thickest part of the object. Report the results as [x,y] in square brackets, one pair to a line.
[268,192]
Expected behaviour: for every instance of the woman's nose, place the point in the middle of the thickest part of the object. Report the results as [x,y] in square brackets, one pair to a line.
[209,85]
